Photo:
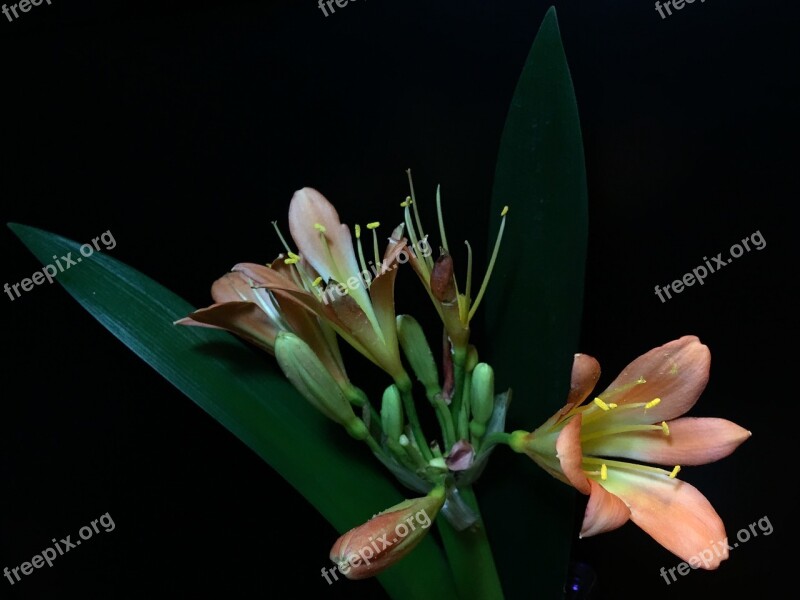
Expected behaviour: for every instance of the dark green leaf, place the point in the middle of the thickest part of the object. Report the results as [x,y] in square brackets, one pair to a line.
[232,384]
[533,311]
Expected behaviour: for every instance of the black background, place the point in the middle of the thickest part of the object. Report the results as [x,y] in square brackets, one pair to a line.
[184,128]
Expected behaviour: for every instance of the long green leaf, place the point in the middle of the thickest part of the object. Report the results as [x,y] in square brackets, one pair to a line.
[230,383]
[534,309]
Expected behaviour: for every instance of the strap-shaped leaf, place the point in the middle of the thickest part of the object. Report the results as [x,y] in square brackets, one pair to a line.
[533,309]
[232,384]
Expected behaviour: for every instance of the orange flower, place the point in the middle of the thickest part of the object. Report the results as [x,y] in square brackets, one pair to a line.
[639,417]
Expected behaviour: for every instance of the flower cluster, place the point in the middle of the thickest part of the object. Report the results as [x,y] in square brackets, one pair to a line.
[299,306]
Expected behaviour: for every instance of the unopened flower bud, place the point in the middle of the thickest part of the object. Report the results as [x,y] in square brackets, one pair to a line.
[416,348]
[369,549]
[392,413]
[482,393]
[308,375]
[443,286]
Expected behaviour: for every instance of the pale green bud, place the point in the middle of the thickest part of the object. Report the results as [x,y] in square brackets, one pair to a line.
[308,375]
[419,355]
[482,393]
[392,413]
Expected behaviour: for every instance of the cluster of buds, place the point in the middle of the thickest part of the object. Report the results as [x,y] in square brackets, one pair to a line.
[328,289]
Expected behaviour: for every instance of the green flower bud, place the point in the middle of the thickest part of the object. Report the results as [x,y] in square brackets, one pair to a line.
[482,393]
[392,413]
[308,375]
[415,346]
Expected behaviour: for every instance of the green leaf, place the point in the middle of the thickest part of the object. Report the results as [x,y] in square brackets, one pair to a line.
[233,385]
[533,310]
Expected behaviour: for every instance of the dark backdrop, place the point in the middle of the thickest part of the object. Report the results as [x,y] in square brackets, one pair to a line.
[184,128]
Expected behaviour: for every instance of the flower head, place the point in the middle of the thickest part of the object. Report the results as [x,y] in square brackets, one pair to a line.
[639,417]
[369,549]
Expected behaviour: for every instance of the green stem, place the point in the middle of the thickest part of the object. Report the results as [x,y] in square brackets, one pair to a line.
[459,371]
[498,437]
[404,385]
[445,420]
[470,557]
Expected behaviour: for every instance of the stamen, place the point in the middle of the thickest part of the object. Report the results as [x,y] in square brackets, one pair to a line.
[373,226]
[592,435]
[290,261]
[413,200]
[665,427]
[675,472]
[319,227]
[496,250]
[317,281]
[624,465]
[406,202]
[601,404]
[612,405]
[441,220]
[468,290]
[293,255]
[361,260]
[280,235]
[603,472]
[653,403]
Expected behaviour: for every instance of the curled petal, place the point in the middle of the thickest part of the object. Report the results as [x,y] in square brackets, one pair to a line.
[672,512]
[676,373]
[461,456]
[691,441]
[604,512]
[585,373]
[568,450]
[245,319]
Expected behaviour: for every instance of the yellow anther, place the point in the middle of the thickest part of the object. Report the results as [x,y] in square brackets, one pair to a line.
[320,227]
[665,427]
[654,402]
[316,281]
[293,255]
[601,404]
[675,472]
[358,231]
[373,225]
[290,261]
[641,380]
[612,405]
[603,472]
[504,211]
[407,202]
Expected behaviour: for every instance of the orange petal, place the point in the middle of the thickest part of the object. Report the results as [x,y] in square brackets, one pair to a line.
[604,512]
[568,450]
[691,441]
[585,373]
[245,319]
[676,373]
[672,512]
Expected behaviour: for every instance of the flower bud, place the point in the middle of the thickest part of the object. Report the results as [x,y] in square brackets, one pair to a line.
[482,393]
[308,375]
[392,413]
[443,286]
[369,549]
[419,355]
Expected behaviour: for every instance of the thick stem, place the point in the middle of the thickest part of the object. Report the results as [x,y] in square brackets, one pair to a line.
[470,556]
